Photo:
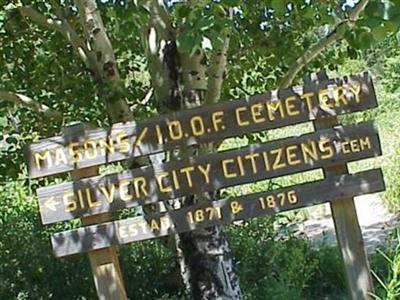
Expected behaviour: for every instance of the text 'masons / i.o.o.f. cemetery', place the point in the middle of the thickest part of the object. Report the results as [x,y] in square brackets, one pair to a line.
[209,123]
[328,147]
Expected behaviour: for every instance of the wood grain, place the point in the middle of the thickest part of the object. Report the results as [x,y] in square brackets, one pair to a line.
[348,231]
[201,125]
[104,263]
[238,208]
[171,180]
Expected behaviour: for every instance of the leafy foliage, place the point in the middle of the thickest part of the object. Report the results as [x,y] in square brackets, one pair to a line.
[267,37]
[390,285]
[271,261]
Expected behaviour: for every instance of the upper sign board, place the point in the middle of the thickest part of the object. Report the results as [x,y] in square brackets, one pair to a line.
[273,109]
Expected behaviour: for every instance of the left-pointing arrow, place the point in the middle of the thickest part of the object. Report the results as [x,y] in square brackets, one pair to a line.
[51,204]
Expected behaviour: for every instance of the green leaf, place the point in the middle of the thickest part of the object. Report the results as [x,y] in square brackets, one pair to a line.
[352,53]
[216,38]
[391,26]
[370,22]
[359,38]
[278,6]
[372,8]
[182,11]
[203,23]
[384,10]
[184,43]
[398,36]
[218,10]
[379,33]
[187,42]
[365,40]
[111,14]
[231,2]
[349,36]
[327,18]
[389,11]
[308,12]
[342,29]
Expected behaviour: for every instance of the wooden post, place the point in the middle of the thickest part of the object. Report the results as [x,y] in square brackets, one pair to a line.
[348,232]
[105,266]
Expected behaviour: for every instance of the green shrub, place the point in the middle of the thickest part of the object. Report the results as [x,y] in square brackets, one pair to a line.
[390,284]
[28,269]
[328,280]
[272,264]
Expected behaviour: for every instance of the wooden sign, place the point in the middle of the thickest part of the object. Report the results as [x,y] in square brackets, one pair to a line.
[330,147]
[207,173]
[200,125]
[215,213]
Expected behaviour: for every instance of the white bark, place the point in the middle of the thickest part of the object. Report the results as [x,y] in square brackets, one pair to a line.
[193,78]
[108,76]
[180,81]
[217,69]
[163,61]
[316,49]
[23,100]
[160,48]
[61,25]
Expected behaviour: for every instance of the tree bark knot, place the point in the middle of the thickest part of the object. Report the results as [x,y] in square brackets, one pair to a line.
[96,30]
[108,68]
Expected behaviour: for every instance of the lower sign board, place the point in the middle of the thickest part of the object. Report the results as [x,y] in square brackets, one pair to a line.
[207,173]
[207,214]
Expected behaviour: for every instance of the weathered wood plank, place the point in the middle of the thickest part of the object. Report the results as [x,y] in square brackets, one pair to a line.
[215,213]
[206,173]
[348,231]
[205,124]
[104,262]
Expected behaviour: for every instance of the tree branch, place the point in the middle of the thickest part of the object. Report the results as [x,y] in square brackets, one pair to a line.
[357,10]
[159,46]
[29,102]
[107,75]
[147,98]
[217,69]
[193,65]
[57,8]
[193,4]
[96,35]
[38,18]
[60,25]
[316,49]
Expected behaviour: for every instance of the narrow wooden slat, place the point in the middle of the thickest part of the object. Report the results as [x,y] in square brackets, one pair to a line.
[206,173]
[205,124]
[216,213]
[104,263]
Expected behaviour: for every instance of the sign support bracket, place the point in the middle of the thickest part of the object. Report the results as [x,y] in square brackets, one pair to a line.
[104,263]
[347,227]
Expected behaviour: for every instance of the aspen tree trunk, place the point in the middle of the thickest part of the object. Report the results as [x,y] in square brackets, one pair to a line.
[102,61]
[180,82]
